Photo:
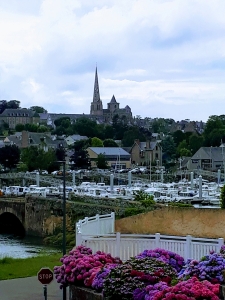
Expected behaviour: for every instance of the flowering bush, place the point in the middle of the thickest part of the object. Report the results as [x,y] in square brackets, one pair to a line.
[149,291]
[209,268]
[148,276]
[99,279]
[222,250]
[81,266]
[169,257]
[136,273]
[190,289]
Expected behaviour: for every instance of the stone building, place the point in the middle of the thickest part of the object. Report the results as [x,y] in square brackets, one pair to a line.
[14,116]
[113,107]
[145,153]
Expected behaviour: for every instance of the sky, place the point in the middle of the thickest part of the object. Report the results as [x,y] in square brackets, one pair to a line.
[163,58]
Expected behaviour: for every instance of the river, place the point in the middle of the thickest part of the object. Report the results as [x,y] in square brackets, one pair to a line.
[22,248]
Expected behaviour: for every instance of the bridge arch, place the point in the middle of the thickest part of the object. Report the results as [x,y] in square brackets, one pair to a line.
[10,224]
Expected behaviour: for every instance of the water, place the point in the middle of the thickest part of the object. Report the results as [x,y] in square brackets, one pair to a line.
[17,248]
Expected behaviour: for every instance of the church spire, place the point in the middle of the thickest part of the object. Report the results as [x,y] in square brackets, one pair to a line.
[96,96]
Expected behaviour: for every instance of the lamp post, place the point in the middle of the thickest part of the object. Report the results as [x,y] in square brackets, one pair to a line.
[157,161]
[64,216]
[150,167]
[180,160]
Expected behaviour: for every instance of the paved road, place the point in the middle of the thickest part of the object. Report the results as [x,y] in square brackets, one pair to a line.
[29,289]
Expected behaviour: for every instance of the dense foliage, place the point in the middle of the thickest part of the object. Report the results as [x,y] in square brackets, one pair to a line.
[9,156]
[153,275]
[168,257]
[81,266]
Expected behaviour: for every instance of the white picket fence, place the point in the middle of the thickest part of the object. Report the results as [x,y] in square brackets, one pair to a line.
[99,224]
[129,245]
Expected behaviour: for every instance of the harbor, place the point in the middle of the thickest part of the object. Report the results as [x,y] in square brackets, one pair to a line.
[197,191]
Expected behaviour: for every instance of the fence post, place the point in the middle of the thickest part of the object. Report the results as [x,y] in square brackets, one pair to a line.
[78,238]
[157,240]
[220,243]
[118,244]
[113,222]
[188,247]
[98,224]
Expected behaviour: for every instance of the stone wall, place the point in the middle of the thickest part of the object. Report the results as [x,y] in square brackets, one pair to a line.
[42,216]
[208,223]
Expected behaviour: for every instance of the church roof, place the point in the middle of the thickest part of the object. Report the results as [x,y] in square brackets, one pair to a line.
[113,100]
[96,95]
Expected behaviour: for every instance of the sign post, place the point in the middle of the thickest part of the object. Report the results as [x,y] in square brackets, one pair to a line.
[45,276]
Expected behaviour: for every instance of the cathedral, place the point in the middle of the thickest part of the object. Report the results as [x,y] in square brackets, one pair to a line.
[113,107]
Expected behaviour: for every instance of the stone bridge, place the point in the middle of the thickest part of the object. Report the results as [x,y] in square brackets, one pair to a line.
[30,216]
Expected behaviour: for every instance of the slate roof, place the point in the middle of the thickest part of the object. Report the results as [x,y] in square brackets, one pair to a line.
[43,116]
[110,151]
[143,147]
[14,139]
[18,112]
[113,100]
[214,153]
[36,138]
[77,137]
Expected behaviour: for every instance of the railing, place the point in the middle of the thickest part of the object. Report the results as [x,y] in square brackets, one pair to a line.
[99,224]
[46,179]
[129,245]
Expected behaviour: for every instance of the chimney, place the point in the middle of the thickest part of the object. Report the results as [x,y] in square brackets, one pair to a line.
[137,142]
[147,144]
[25,140]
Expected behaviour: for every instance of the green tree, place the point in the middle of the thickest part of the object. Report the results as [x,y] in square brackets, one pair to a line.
[37,159]
[96,142]
[120,125]
[214,130]
[3,105]
[13,104]
[185,152]
[38,109]
[9,156]
[101,161]
[85,126]
[182,145]
[42,128]
[64,122]
[131,135]
[168,148]
[80,159]
[109,143]
[21,167]
[31,127]
[19,127]
[145,199]
[109,132]
[195,143]
[178,137]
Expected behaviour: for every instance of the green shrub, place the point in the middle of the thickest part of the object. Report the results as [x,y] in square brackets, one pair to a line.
[222,197]
[180,204]
[133,211]
[142,196]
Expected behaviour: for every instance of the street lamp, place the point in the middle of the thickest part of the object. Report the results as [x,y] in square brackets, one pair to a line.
[180,160]
[64,216]
[157,161]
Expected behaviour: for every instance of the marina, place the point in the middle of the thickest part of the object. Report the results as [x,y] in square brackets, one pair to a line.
[197,191]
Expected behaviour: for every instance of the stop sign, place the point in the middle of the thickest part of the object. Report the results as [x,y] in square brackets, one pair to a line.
[45,275]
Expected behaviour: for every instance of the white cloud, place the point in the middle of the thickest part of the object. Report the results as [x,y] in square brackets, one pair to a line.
[155,56]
